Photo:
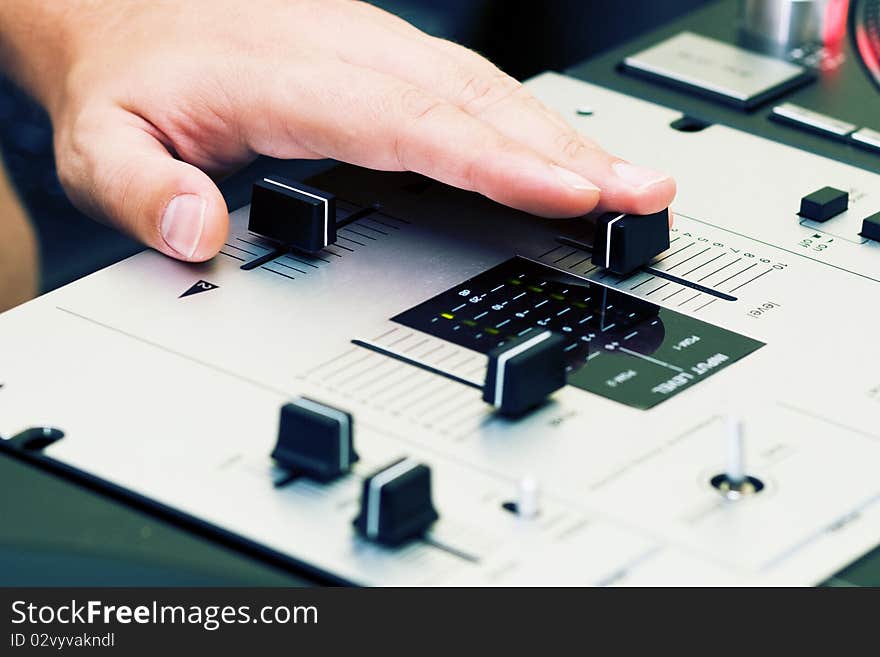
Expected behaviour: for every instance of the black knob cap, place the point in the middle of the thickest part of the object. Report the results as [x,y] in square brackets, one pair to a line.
[396,503]
[625,242]
[292,214]
[871,227]
[823,204]
[315,440]
[522,373]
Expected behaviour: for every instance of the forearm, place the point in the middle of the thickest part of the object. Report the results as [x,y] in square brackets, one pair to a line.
[18,251]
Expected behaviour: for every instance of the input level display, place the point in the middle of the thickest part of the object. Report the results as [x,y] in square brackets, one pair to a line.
[618,346]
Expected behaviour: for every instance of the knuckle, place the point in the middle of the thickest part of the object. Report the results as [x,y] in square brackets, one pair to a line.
[468,174]
[99,185]
[481,91]
[570,145]
[415,104]
[75,160]
[475,171]
[417,108]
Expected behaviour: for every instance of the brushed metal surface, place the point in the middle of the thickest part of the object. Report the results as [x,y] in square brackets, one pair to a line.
[178,398]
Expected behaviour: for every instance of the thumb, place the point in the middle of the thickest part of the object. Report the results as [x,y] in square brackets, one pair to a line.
[127,177]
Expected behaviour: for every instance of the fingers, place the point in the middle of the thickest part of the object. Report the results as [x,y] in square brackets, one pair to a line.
[379,121]
[625,186]
[469,81]
[513,111]
[121,173]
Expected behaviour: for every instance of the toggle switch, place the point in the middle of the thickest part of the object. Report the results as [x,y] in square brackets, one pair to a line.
[522,373]
[292,214]
[315,440]
[625,242]
[734,483]
[396,503]
[528,502]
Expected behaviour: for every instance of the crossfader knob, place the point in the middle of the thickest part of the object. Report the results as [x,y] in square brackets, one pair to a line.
[396,503]
[292,214]
[315,440]
[625,242]
[522,373]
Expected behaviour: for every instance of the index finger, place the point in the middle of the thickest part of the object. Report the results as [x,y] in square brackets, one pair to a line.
[474,84]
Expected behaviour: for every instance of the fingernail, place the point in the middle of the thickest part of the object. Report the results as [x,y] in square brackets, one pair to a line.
[636,176]
[183,222]
[573,180]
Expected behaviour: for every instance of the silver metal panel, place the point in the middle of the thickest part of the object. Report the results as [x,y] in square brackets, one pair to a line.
[715,66]
[177,398]
[812,119]
[867,136]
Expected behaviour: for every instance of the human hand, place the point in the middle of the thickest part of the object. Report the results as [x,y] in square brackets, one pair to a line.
[150,99]
[18,249]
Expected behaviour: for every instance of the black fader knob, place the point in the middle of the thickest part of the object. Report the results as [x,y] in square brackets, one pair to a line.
[871,227]
[823,204]
[315,440]
[522,373]
[292,214]
[625,242]
[396,503]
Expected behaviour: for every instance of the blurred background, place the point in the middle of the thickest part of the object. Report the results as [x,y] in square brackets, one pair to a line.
[522,37]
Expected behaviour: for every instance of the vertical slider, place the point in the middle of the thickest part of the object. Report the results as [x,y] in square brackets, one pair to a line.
[396,503]
[625,242]
[292,214]
[522,373]
[315,440]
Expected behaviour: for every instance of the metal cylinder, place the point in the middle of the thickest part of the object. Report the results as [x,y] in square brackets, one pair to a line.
[793,23]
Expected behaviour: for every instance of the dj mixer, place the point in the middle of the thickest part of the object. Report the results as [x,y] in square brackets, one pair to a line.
[387,381]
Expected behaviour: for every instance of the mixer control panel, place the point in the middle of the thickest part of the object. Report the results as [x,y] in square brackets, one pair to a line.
[392,382]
